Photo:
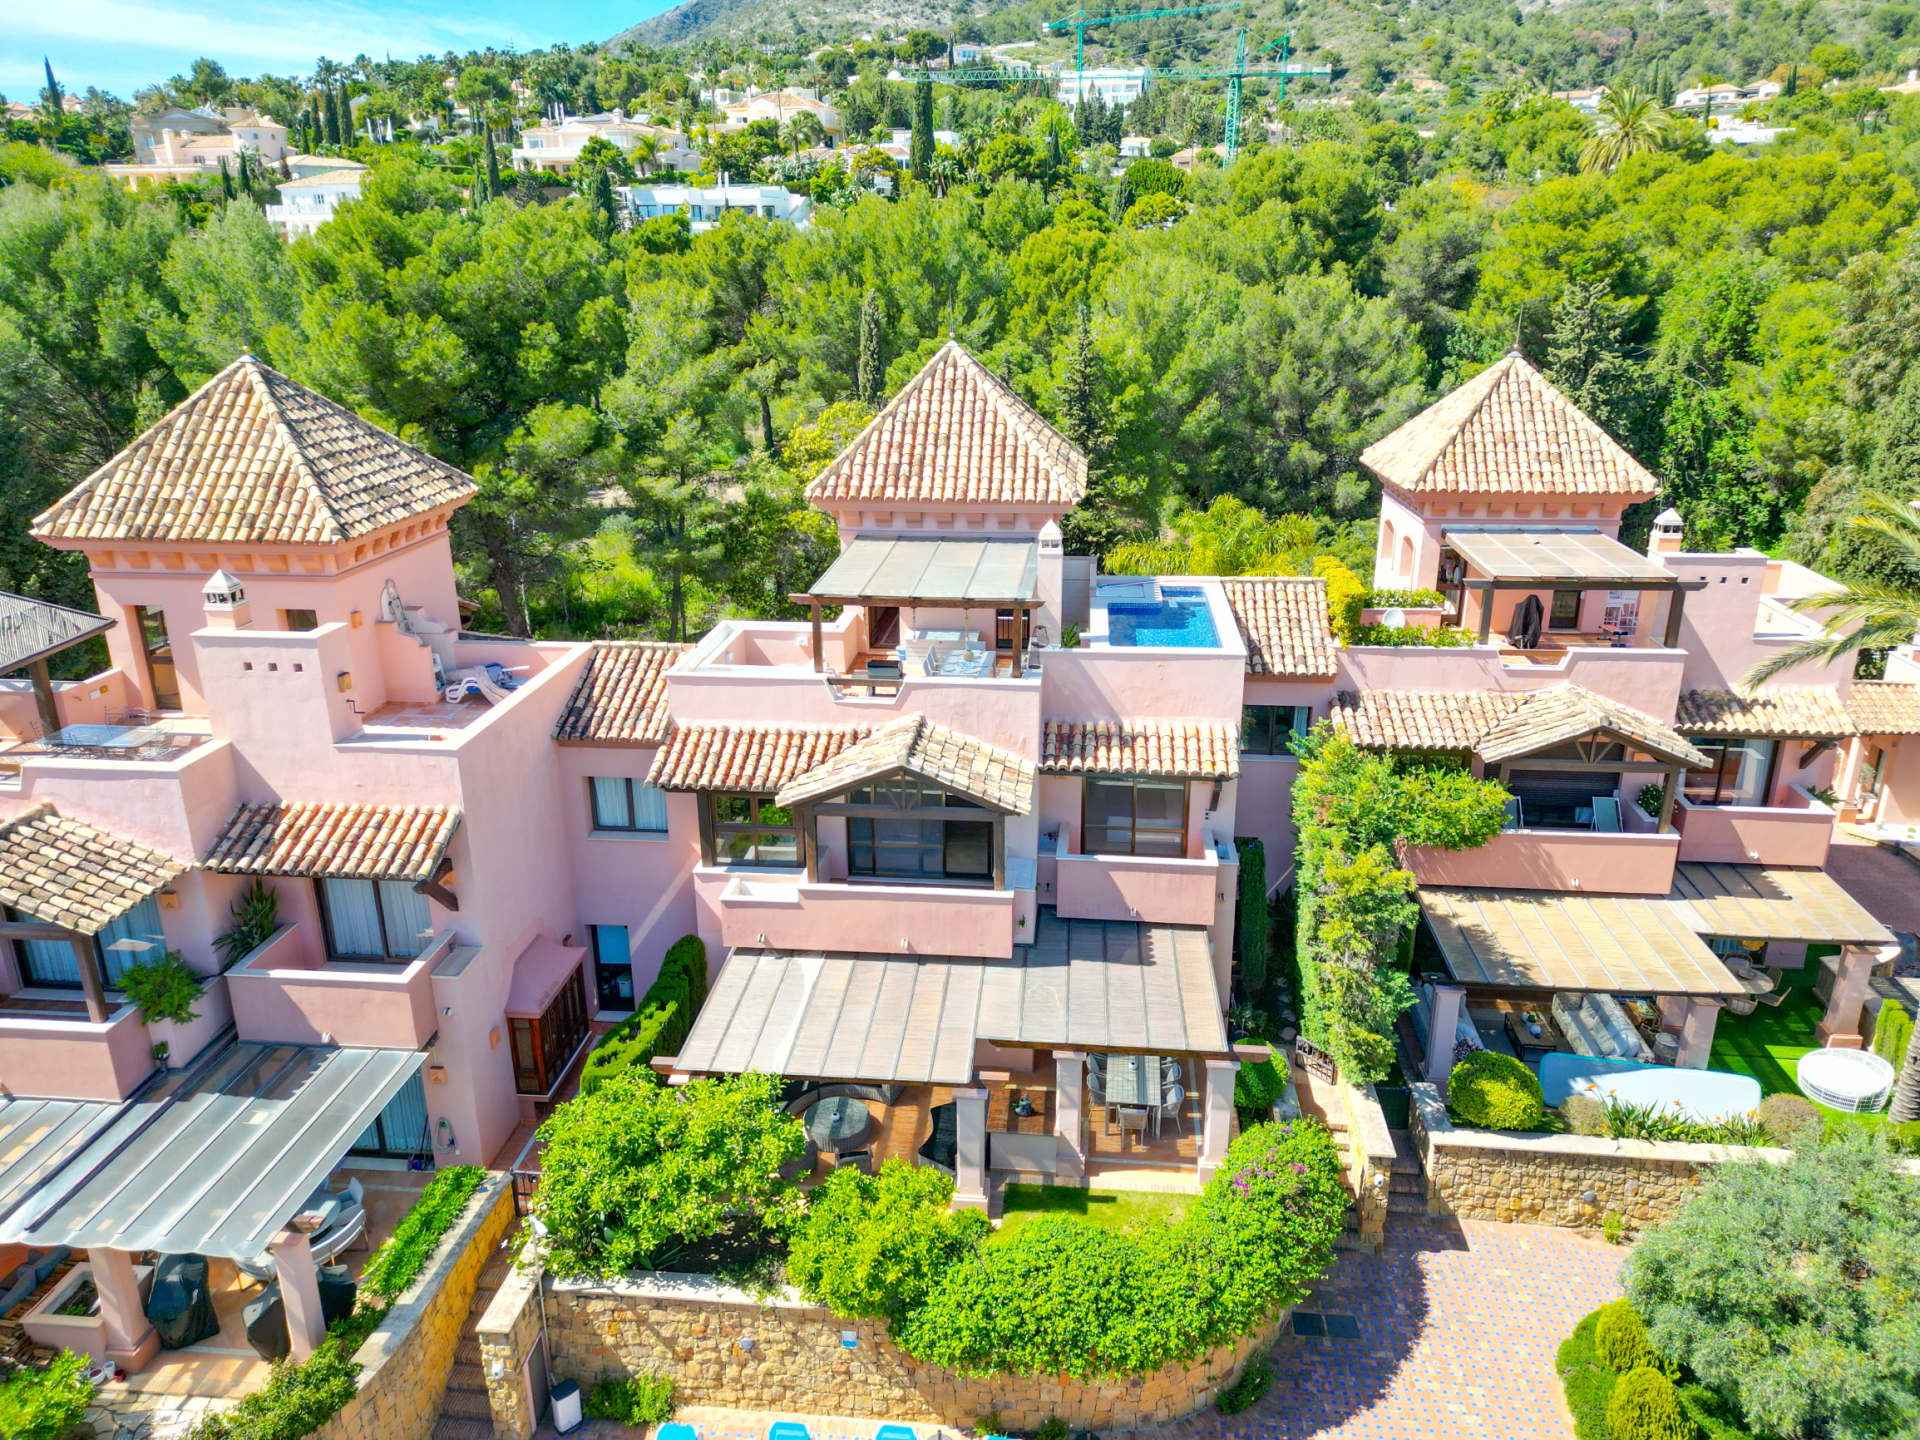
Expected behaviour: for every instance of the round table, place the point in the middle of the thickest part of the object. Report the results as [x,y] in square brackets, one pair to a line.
[840,1124]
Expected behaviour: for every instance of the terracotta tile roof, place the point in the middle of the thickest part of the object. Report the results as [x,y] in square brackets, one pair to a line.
[753,759]
[1545,718]
[1884,707]
[338,842]
[1283,620]
[956,435]
[1507,431]
[1419,719]
[1788,712]
[621,696]
[1190,749]
[61,872]
[936,754]
[252,457]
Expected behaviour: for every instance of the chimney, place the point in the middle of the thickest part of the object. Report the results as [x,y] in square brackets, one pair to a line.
[1668,534]
[1051,582]
[225,601]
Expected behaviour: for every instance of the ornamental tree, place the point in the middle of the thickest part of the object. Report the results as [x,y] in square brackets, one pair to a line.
[1792,1290]
[635,1172]
[875,1245]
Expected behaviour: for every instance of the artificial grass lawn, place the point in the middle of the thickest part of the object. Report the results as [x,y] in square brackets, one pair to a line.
[1766,1043]
[1109,1209]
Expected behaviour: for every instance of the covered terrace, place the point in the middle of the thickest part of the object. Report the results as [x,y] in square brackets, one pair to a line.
[1588,588]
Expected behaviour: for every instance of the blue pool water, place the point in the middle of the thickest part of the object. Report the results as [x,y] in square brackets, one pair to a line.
[1180,618]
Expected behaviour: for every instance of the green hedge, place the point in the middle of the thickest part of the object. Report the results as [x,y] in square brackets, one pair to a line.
[1257,1085]
[398,1262]
[1063,1297]
[1250,927]
[1892,1033]
[661,1023]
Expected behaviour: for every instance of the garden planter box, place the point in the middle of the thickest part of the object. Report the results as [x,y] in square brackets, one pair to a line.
[82,1334]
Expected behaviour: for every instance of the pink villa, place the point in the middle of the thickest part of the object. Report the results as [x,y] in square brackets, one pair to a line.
[941,863]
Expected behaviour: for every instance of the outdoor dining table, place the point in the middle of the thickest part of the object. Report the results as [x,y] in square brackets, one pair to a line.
[841,1124]
[1133,1082]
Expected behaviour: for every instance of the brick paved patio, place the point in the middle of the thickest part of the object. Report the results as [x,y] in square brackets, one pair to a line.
[1457,1328]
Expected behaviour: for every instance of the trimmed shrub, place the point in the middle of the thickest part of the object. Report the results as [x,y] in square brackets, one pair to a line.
[1062,1297]
[687,956]
[1257,1085]
[398,1263]
[1254,1382]
[642,1400]
[1645,1406]
[1584,1115]
[1588,1383]
[1892,1033]
[1620,1340]
[1491,1091]
[876,1245]
[1787,1118]
[1250,928]
[661,1023]
[300,1397]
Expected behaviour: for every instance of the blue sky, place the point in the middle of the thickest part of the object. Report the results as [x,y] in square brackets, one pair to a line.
[120,45]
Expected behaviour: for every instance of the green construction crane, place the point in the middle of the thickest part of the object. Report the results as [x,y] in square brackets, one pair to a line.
[1080,22]
[1238,74]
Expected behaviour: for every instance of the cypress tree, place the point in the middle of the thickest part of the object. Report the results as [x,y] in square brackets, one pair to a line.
[493,166]
[1077,420]
[1792,87]
[477,195]
[603,202]
[1053,151]
[1121,200]
[920,152]
[872,373]
[330,118]
[226,178]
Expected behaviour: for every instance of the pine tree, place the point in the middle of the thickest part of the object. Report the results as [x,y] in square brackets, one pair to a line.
[1121,200]
[872,372]
[1586,357]
[493,165]
[920,152]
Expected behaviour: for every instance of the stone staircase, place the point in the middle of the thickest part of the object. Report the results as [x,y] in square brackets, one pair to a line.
[464,1411]
[1406,1190]
[1406,1186]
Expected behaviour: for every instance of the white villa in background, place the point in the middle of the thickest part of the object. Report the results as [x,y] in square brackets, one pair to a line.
[1114,84]
[177,144]
[781,106]
[554,145]
[706,205]
[307,204]
[1696,97]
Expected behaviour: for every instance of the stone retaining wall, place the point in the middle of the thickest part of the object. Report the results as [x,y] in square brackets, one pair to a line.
[406,1362]
[1546,1179]
[722,1347]
[1370,1144]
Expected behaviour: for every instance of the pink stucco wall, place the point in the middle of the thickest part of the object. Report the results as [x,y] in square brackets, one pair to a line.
[278,997]
[1604,864]
[1648,680]
[1407,547]
[1752,835]
[1127,887]
[887,919]
[75,1060]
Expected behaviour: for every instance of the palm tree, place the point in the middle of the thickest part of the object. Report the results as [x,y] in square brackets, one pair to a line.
[1631,123]
[645,153]
[1866,614]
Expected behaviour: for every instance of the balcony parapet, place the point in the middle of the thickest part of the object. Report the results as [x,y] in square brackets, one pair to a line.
[765,911]
[279,997]
[1598,862]
[1155,890]
[1797,833]
[57,1058]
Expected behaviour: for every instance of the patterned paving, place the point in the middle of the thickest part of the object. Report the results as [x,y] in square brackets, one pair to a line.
[1458,1327]
[1458,1324]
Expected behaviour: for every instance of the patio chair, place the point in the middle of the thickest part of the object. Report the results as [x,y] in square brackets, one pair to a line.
[861,1160]
[1172,1104]
[1170,1073]
[1131,1119]
[788,1430]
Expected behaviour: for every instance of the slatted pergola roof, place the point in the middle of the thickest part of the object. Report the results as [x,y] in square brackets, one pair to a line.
[1759,902]
[1082,984]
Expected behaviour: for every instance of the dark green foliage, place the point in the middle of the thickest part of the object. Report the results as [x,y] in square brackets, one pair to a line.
[873,370]
[920,146]
[1644,1406]
[659,1024]
[877,1245]
[398,1262]
[45,1404]
[1253,1384]
[256,915]
[1492,1091]
[1588,1383]
[299,1397]
[1256,1086]
[1250,931]
[641,1400]
[1062,1297]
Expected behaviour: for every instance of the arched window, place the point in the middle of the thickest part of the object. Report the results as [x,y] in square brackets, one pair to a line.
[1406,558]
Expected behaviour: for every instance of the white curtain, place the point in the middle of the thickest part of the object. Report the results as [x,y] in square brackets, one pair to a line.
[610,808]
[50,962]
[131,939]
[353,917]
[650,806]
[409,924]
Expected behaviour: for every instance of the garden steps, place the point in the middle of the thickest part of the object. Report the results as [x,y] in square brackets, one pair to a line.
[465,1412]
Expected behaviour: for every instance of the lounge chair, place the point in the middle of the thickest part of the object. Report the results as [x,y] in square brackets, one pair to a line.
[1606,813]
[788,1430]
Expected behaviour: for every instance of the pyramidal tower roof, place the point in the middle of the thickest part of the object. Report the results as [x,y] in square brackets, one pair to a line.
[1507,431]
[253,457]
[956,434]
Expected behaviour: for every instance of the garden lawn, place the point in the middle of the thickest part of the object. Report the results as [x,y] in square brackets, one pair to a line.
[1766,1044]
[1109,1209]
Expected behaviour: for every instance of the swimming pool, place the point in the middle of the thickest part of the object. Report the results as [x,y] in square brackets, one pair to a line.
[1179,619]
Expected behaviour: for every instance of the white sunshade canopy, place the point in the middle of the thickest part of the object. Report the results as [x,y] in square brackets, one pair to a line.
[216,1160]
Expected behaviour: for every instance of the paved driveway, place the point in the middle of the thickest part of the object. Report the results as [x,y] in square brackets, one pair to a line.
[1456,1325]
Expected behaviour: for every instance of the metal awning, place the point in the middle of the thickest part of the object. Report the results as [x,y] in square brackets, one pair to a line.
[543,967]
[1758,902]
[1552,940]
[1512,558]
[217,1159]
[38,1136]
[1107,985]
[1082,984]
[928,571]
